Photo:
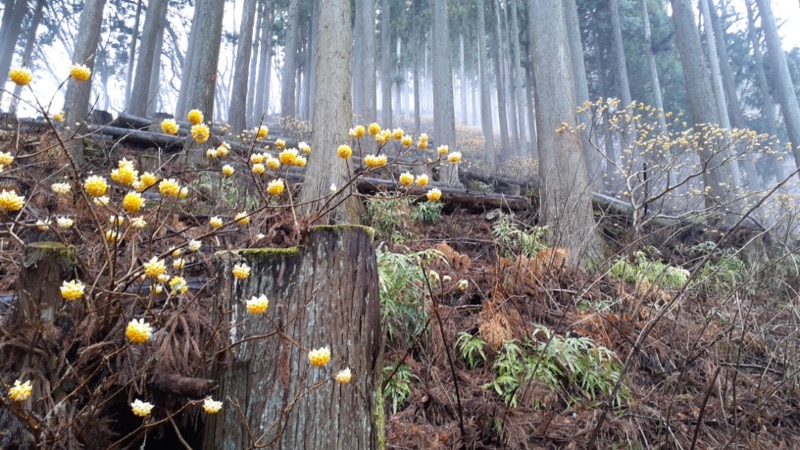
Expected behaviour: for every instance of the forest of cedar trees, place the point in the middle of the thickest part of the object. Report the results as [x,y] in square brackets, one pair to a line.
[399,224]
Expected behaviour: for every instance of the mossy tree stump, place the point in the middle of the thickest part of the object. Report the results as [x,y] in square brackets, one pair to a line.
[323,293]
[45,265]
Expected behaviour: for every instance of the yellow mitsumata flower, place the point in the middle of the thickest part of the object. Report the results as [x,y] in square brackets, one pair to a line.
[374,129]
[132,202]
[116,221]
[397,134]
[195,117]
[169,187]
[43,225]
[273,163]
[80,72]
[280,143]
[300,161]
[95,185]
[257,305]
[6,158]
[140,408]
[227,170]
[212,406]
[212,153]
[178,263]
[407,141]
[64,223]
[184,192]
[113,236]
[61,188]
[373,161]
[454,158]
[178,285]
[169,126]
[138,331]
[138,223]
[223,149]
[59,116]
[275,187]
[442,150]
[215,222]
[241,271]
[155,267]
[200,133]
[258,169]
[434,195]
[262,132]
[463,285]
[10,201]
[344,151]
[406,179]
[72,290]
[257,158]
[360,131]
[21,76]
[20,391]
[343,376]
[304,147]
[288,157]
[125,173]
[147,179]
[242,218]
[320,356]
[194,245]
[422,180]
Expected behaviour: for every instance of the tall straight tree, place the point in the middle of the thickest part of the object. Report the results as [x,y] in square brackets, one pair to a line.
[204,79]
[386,63]
[261,104]
[623,85]
[155,74]
[565,197]
[238,108]
[77,97]
[486,98]
[189,63]
[518,75]
[497,48]
[578,64]
[444,120]
[254,55]
[289,78]
[141,95]
[717,173]
[713,62]
[30,40]
[132,52]
[364,57]
[10,34]
[333,111]
[773,167]
[782,81]
[653,68]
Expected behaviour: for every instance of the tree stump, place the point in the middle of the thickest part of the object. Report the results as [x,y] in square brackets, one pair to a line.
[45,265]
[323,293]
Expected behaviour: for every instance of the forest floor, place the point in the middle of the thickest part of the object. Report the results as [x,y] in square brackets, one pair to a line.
[531,354]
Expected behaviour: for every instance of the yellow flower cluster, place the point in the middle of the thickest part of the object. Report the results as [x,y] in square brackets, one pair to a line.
[169,126]
[169,187]
[375,161]
[304,147]
[80,72]
[374,129]
[146,181]
[227,170]
[6,158]
[242,218]
[20,76]
[20,391]
[343,376]
[397,134]
[72,290]
[358,132]
[200,133]
[125,173]
[454,158]
[262,132]
[195,117]
[442,150]
[344,151]
[178,285]
[140,408]
[10,201]
[241,271]
[275,187]
[257,305]
[138,331]
[406,179]
[132,202]
[95,185]
[215,222]
[422,180]
[212,406]
[407,141]
[422,143]
[194,245]
[112,236]
[434,195]
[258,169]
[61,188]
[155,267]
[280,143]
[288,157]
[320,356]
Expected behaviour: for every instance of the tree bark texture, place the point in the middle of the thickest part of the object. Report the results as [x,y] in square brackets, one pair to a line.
[519,84]
[132,52]
[253,71]
[290,60]
[11,36]
[77,97]
[781,78]
[238,107]
[325,294]
[499,82]
[486,96]
[565,196]
[333,111]
[30,40]
[386,64]
[189,64]
[155,74]
[713,60]
[206,55]
[651,62]
[623,85]
[444,119]
[141,96]
[261,105]
[365,59]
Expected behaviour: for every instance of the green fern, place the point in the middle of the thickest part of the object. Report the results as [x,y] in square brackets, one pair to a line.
[471,349]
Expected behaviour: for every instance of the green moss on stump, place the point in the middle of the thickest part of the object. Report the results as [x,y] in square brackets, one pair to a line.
[369,230]
[261,254]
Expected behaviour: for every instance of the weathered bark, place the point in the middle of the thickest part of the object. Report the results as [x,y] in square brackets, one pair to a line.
[30,40]
[316,292]
[204,79]
[189,65]
[462,78]
[508,78]
[132,52]
[333,112]
[419,36]
[565,196]
[782,81]
[253,70]
[289,80]
[518,77]
[141,95]
[238,107]
[621,66]
[651,62]
[713,60]
[364,60]
[444,120]
[76,99]
[311,82]
[45,265]
[155,73]
[386,64]
[773,168]
[718,171]
[486,96]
